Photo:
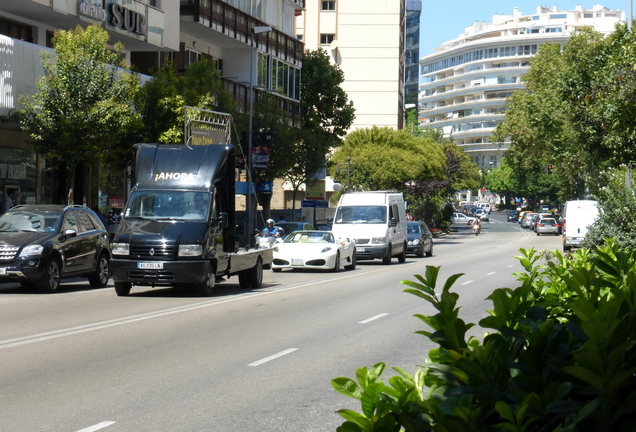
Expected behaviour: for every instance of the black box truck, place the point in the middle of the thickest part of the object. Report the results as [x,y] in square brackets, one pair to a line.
[178,226]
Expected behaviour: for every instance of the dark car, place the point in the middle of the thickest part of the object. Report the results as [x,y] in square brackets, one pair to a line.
[513,216]
[420,239]
[44,243]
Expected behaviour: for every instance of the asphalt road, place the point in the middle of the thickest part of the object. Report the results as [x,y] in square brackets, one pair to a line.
[243,360]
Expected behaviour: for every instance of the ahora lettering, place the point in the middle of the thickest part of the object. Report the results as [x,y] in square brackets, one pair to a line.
[174,176]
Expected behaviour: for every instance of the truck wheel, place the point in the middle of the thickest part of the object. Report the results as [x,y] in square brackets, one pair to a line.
[255,274]
[386,260]
[50,280]
[123,288]
[99,279]
[206,287]
[402,256]
[244,279]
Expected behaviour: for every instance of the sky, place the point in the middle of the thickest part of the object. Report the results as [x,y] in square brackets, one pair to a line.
[443,20]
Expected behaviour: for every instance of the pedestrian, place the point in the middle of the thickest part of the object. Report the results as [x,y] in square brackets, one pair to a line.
[281,219]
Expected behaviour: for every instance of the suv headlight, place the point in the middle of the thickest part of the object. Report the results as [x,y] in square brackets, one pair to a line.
[33,250]
[190,250]
[120,249]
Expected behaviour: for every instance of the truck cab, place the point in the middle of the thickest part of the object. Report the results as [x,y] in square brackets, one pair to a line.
[177,228]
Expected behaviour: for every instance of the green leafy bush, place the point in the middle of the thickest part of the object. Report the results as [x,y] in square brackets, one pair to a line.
[561,355]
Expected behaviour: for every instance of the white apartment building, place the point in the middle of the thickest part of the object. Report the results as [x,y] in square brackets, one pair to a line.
[366,41]
[466,81]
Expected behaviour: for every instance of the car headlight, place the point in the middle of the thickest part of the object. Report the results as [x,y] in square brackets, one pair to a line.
[33,250]
[378,240]
[326,249]
[190,250]
[120,249]
[414,242]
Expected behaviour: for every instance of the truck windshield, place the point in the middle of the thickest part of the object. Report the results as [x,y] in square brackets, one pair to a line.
[174,205]
[360,214]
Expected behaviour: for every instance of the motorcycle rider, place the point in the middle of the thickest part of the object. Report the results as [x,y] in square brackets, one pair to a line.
[270,230]
[477,225]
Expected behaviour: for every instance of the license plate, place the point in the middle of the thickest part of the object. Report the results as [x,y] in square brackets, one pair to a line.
[3,270]
[361,249]
[297,261]
[150,265]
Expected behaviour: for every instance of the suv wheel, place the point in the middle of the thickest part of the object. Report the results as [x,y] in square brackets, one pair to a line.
[50,280]
[99,279]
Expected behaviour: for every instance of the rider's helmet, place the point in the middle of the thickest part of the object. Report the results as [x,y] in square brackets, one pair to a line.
[269,221]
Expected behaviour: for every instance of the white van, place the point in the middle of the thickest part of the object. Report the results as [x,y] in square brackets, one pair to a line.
[377,222]
[577,217]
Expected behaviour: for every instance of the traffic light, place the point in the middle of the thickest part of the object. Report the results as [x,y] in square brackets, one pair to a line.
[549,169]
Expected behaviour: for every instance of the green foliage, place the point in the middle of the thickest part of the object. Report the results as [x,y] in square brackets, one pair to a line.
[386,158]
[560,355]
[575,114]
[83,109]
[616,219]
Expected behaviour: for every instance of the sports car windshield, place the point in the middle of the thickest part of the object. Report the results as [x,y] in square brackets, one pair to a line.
[360,215]
[310,237]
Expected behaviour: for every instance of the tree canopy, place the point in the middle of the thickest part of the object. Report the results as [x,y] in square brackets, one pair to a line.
[576,112]
[84,103]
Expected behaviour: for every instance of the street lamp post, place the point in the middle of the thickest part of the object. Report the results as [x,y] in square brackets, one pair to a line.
[249,202]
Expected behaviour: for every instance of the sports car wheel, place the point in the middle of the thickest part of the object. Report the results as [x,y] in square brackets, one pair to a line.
[353,264]
[50,280]
[336,266]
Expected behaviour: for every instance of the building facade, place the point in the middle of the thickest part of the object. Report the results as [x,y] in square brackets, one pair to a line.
[466,81]
[367,43]
[152,32]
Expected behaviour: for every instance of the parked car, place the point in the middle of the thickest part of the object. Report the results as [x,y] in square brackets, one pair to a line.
[461,218]
[314,250]
[547,226]
[44,243]
[420,239]
[513,216]
[526,222]
[482,214]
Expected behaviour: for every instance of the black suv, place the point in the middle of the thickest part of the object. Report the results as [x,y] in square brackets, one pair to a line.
[44,243]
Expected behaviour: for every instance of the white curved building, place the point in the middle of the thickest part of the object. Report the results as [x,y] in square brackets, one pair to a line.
[466,81]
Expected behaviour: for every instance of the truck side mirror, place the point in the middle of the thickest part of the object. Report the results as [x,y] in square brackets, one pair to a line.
[223,219]
[393,222]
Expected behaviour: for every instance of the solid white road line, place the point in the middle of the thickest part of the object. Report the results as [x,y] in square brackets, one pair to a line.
[97,426]
[467,282]
[372,318]
[272,357]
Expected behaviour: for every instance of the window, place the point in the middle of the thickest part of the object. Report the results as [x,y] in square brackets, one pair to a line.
[328,5]
[327,38]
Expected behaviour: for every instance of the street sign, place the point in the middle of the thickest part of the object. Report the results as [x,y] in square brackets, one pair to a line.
[308,204]
[321,203]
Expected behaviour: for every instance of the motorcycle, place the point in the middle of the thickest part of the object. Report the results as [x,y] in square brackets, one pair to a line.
[476,228]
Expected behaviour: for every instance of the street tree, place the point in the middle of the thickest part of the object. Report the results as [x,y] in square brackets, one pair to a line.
[83,106]
[327,114]
[389,159]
